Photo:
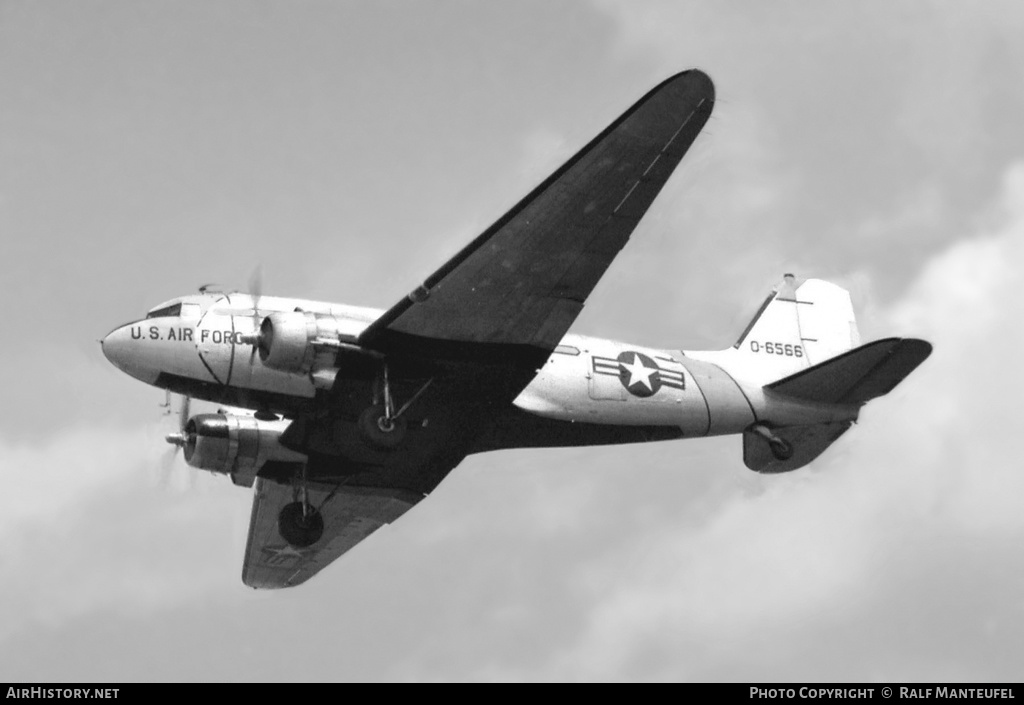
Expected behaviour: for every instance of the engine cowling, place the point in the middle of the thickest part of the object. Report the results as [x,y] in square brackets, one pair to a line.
[236,445]
[298,341]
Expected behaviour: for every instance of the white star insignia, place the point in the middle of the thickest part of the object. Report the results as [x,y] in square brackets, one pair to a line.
[639,373]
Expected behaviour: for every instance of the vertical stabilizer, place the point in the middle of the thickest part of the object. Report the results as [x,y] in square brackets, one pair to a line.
[827,324]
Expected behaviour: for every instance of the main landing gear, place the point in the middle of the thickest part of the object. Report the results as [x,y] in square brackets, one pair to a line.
[380,424]
[780,447]
[300,523]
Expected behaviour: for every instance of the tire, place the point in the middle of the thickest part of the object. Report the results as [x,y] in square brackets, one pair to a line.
[782,450]
[298,530]
[372,426]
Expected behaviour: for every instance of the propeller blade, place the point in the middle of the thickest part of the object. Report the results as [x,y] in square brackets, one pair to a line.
[183,414]
[167,461]
[179,437]
[178,440]
[256,285]
[255,292]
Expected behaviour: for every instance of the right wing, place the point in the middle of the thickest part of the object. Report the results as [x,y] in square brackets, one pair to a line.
[523,281]
[350,514]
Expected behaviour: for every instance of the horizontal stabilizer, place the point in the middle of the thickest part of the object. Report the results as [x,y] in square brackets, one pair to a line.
[806,444]
[857,376]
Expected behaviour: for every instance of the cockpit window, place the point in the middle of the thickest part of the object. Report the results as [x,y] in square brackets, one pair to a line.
[172,310]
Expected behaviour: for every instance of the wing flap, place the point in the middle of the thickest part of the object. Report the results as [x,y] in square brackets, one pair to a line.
[350,515]
[524,280]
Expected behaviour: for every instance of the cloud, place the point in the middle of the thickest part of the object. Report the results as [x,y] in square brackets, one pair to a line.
[900,119]
[89,525]
[894,557]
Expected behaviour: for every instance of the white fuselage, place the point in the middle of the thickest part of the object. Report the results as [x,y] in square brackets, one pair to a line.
[199,339]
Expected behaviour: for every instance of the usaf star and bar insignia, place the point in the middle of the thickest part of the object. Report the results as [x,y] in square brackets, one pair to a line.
[639,374]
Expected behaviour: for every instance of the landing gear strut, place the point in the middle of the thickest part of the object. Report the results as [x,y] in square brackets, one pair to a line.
[299,528]
[300,523]
[381,429]
[781,448]
[381,425]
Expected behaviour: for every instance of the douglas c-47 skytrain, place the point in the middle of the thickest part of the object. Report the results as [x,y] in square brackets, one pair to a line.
[343,418]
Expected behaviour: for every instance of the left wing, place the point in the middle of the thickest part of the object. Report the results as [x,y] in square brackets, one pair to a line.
[350,514]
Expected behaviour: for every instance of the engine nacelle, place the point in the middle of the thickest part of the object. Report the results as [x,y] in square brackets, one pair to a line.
[237,445]
[298,341]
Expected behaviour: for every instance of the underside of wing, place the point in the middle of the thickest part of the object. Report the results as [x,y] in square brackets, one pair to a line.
[523,281]
[349,515]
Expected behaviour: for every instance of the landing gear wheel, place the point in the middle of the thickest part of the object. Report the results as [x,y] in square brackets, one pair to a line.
[380,431]
[782,450]
[300,529]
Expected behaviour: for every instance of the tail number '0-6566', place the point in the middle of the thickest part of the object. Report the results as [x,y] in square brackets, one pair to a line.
[777,349]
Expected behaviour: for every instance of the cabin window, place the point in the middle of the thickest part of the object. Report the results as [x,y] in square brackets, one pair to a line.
[172,310]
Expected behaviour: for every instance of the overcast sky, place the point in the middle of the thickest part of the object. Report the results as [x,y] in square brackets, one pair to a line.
[351,147]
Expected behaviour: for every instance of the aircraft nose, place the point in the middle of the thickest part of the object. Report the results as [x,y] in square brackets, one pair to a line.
[117,347]
[121,347]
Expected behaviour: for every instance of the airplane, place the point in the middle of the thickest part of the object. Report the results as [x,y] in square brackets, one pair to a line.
[343,418]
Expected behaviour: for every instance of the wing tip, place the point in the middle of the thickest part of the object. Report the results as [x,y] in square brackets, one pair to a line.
[691,90]
[918,348]
[696,80]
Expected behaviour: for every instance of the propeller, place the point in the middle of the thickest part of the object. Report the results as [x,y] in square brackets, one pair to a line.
[255,292]
[178,440]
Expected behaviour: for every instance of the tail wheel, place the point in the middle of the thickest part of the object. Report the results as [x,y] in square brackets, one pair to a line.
[782,450]
[380,431]
[780,447]
[300,528]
